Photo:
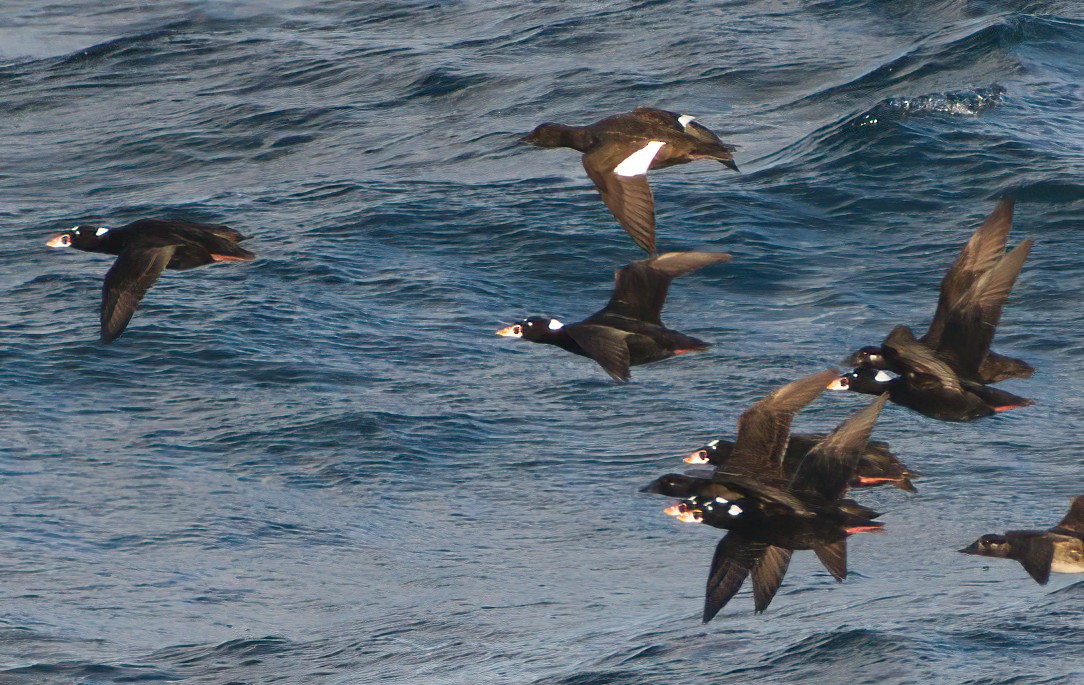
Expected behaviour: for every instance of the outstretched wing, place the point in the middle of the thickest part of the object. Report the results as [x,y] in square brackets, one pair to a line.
[834,557]
[971,322]
[1074,520]
[640,288]
[829,467]
[768,572]
[1035,552]
[985,247]
[764,428]
[607,346]
[734,558]
[619,171]
[126,282]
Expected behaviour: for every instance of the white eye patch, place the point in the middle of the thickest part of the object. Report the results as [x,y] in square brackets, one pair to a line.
[684,120]
[638,162]
[555,325]
[102,230]
[721,500]
[884,377]
[734,510]
[713,443]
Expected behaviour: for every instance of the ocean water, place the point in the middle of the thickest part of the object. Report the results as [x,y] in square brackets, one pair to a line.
[323,467]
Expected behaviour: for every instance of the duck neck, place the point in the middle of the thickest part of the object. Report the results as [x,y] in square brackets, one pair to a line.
[576,137]
[563,340]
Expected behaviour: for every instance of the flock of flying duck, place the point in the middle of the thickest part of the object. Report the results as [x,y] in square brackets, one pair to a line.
[772,492]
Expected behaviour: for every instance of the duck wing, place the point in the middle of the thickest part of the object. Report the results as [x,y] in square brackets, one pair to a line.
[833,555]
[1074,521]
[126,282]
[640,288]
[829,467]
[606,345]
[985,247]
[764,428]
[971,322]
[923,369]
[619,171]
[1034,551]
[768,572]
[734,557]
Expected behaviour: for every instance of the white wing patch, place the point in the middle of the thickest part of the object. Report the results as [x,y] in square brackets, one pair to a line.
[555,325]
[638,162]
[684,120]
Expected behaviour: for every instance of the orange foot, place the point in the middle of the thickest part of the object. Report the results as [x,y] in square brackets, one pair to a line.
[229,258]
[1007,407]
[865,529]
[864,480]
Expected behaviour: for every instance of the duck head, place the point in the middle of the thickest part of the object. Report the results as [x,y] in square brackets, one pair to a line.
[866,380]
[871,356]
[534,328]
[989,546]
[673,485]
[712,453]
[82,237]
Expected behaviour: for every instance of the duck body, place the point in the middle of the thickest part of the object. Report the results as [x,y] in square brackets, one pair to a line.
[1059,549]
[946,372]
[618,151]
[628,331]
[192,244]
[877,465]
[144,249]
[927,384]
[770,513]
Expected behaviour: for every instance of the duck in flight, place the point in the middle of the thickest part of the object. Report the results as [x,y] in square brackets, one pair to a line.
[618,151]
[763,528]
[628,331]
[1059,549]
[946,373]
[144,249]
[877,465]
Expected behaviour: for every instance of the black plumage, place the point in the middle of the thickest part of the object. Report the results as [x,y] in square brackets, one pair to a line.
[628,331]
[946,373]
[877,465]
[144,249]
[764,528]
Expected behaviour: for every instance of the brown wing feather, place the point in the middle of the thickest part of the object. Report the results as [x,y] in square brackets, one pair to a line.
[628,197]
[764,428]
[734,557]
[983,249]
[640,287]
[607,346]
[126,282]
[768,572]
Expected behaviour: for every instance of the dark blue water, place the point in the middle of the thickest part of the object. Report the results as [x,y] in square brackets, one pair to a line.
[324,468]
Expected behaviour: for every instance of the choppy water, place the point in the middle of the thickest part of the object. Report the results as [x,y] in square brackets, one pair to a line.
[324,468]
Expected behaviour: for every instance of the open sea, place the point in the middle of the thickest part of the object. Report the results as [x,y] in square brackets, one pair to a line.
[323,467]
